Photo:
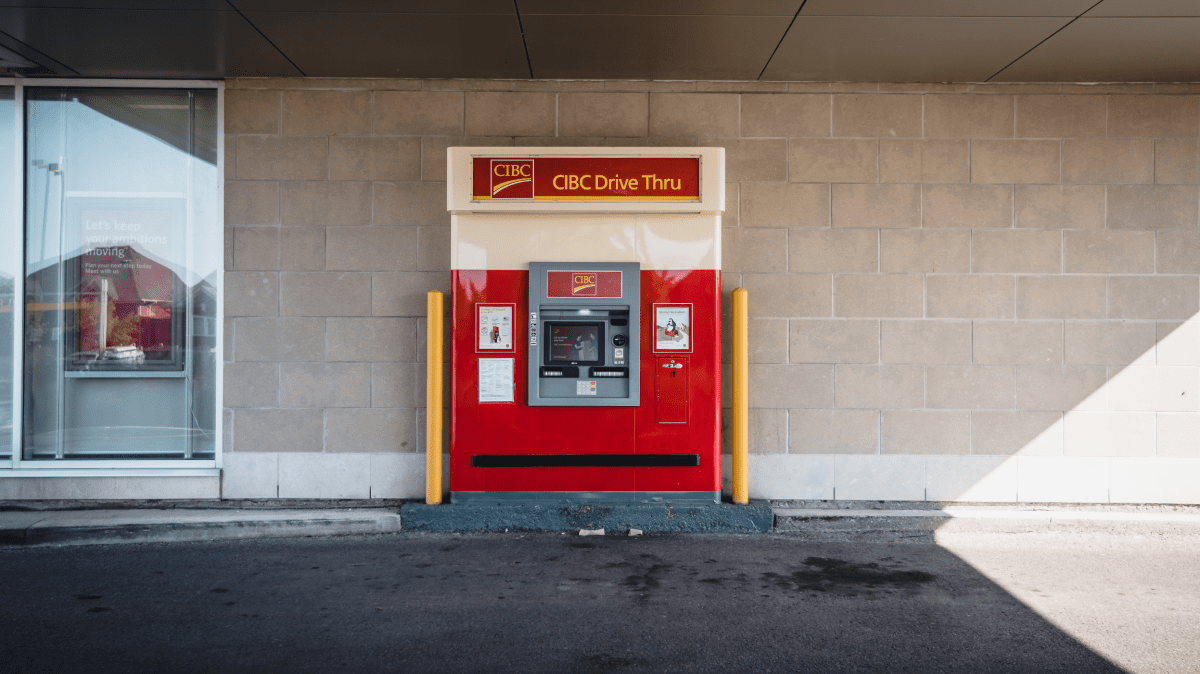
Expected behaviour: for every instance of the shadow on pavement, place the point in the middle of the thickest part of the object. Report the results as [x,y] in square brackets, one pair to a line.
[520,603]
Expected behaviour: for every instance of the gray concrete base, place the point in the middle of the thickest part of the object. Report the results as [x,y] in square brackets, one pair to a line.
[86,527]
[613,518]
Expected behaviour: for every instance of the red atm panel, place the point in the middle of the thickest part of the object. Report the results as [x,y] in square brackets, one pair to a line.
[671,390]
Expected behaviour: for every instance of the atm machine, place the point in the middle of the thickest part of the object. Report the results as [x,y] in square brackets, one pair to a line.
[585,332]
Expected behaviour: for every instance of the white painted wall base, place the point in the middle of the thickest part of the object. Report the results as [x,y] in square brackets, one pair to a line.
[100,487]
[1055,479]
[318,475]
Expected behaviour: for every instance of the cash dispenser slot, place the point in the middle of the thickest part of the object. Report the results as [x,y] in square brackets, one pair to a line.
[610,372]
[560,372]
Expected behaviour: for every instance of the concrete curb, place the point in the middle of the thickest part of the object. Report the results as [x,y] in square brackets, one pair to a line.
[715,518]
[883,523]
[102,527]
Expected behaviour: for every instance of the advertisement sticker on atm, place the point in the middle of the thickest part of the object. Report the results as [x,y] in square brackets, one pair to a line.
[673,327]
[494,327]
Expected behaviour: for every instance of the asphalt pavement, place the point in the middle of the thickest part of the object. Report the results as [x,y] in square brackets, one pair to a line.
[555,602]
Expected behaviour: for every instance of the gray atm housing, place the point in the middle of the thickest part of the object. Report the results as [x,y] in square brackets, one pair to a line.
[557,383]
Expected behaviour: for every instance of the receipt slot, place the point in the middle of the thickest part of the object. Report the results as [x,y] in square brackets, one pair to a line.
[585,324]
[583,336]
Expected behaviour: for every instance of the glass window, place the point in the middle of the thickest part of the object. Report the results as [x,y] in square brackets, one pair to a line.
[9,266]
[122,252]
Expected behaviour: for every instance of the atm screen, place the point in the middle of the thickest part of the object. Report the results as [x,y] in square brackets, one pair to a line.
[575,343]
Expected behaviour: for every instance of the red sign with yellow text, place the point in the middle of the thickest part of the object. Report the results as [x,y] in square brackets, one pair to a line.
[586,179]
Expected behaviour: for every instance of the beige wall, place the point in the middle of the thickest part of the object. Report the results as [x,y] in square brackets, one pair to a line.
[957,291]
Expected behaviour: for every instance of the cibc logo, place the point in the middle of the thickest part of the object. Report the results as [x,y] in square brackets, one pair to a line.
[512,178]
[583,285]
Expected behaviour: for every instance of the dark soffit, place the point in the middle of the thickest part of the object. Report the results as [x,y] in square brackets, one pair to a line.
[905,49]
[367,44]
[146,43]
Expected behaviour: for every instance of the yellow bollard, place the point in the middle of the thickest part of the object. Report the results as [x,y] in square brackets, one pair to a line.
[741,405]
[433,398]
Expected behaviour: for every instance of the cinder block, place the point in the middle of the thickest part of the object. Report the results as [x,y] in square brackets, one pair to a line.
[397,384]
[733,205]
[791,386]
[753,158]
[255,248]
[1157,480]
[263,430]
[1153,116]
[974,387]
[1177,162]
[833,250]
[1018,342]
[404,293]
[1117,343]
[875,115]
[248,111]
[968,116]
[1060,206]
[398,475]
[834,341]
[784,476]
[251,293]
[1061,388]
[789,295]
[1154,389]
[374,158]
[251,202]
[877,295]
[768,340]
[325,385]
[925,432]
[1062,479]
[370,430]
[834,432]
[250,384]
[229,166]
[1004,433]
[276,339]
[249,475]
[324,475]
[924,251]
[924,161]
[991,479]
[972,206]
[282,157]
[784,205]
[433,249]
[1108,161]
[694,115]
[1162,297]
[1152,206]
[925,342]
[1109,252]
[1178,252]
[1061,296]
[883,478]
[411,204]
[1109,434]
[836,160]
[1015,161]
[1060,116]
[1178,435]
[745,249]
[325,294]
[1178,344]
[1017,251]
[972,296]
[507,113]
[603,114]
[371,249]
[877,205]
[326,113]
[227,324]
[786,115]
[323,203]
[880,387]
[419,112]
[371,339]
[302,248]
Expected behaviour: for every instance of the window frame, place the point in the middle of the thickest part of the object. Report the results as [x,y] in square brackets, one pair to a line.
[15,465]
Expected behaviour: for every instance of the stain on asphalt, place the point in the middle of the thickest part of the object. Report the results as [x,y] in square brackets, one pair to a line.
[601,664]
[827,574]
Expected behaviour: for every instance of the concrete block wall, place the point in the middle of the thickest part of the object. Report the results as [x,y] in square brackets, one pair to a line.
[958,292]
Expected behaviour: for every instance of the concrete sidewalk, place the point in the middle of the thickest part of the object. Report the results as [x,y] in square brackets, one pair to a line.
[82,523]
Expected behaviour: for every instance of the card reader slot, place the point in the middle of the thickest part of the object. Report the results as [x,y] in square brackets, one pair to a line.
[610,372]
[584,460]
[560,372]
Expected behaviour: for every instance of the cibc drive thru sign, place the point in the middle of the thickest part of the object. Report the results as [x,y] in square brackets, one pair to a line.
[586,324]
